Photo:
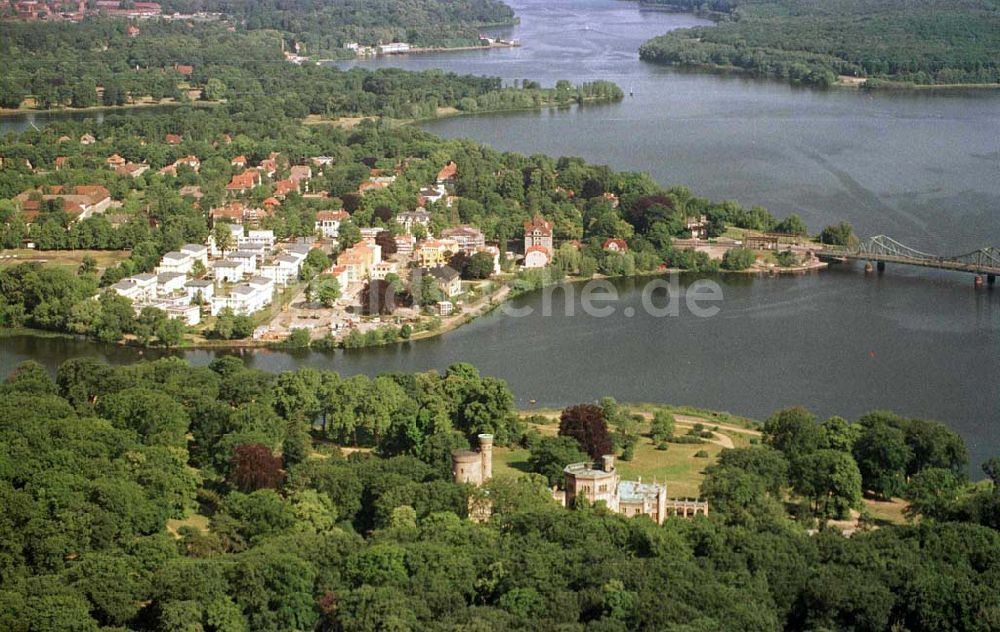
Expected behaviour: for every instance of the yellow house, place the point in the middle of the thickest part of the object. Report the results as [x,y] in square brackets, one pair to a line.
[435,252]
[358,259]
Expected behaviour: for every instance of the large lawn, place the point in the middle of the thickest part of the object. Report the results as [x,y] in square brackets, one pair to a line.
[677,466]
[63,258]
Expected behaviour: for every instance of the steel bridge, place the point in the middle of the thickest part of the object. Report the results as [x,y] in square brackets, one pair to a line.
[882,249]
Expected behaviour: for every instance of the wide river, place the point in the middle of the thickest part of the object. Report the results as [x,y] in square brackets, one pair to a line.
[921,167]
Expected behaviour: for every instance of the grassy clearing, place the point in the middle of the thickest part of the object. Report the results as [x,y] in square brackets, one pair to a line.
[887,511]
[62,258]
[195,520]
[677,466]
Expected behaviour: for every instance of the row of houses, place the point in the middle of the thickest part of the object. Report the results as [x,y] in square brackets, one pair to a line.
[243,279]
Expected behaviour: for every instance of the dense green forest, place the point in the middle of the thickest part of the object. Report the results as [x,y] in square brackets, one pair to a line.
[97,63]
[160,496]
[324,26]
[926,42]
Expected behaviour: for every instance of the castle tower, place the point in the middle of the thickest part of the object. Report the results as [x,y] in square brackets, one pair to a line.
[474,466]
[486,456]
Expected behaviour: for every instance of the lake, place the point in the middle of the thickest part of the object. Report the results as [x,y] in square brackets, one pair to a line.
[921,167]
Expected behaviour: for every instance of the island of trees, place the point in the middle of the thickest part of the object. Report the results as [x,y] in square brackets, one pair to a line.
[882,43]
[160,496]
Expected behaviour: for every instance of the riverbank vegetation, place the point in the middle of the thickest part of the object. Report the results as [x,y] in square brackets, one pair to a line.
[887,42]
[322,28]
[160,496]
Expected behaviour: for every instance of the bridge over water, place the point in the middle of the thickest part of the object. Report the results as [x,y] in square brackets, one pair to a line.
[881,250]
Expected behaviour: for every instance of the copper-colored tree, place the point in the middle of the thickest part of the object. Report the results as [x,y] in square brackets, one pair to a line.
[586,424]
[255,467]
[388,243]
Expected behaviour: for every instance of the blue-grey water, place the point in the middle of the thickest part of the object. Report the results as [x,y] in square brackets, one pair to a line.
[922,167]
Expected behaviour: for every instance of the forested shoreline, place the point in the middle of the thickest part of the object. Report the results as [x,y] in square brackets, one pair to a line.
[886,43]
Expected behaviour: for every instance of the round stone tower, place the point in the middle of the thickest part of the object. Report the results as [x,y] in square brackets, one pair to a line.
[467,467]
[486,453]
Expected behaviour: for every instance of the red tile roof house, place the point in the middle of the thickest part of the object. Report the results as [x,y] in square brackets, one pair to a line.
[239,161]
[614,245]
[538,232]
[132,169]
[114,161]
[447,173]
[81,201]
[174,139]
[243,182]
[184,69]
[537,257]
[237,213]
[284,187]
[60,161]
[328,222]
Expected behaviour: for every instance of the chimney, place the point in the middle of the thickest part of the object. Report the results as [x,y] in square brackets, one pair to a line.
[609,462]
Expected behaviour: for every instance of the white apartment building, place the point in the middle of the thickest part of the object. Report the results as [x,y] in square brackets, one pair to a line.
[175,261]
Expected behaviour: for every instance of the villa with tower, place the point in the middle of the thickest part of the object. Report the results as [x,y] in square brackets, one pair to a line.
[582,481]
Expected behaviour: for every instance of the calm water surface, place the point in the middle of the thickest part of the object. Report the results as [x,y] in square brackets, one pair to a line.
[924,168]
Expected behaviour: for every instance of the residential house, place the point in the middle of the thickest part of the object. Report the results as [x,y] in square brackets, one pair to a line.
[243,300]
[300,174]
[409,219]
[114,161]
[447,279]
[468,238]
[237,213]
[269,166]
[614,245]
[340,273]
[247,260]
[538,232]
[358,259]
[365,187]
[139,288]
[175,261]
[435,252]
[328,223]
[493,252]
[190,315]
[447,174]
[235,233]
[284,269]
[192,191]
[239,162]
[256,238]
[87,139]
[226,270]
[697,226]
[405,244]
[170,282]
[132,169]
[431,194]
[174,139]
[537,257]
[197,252]
[283,187]
[383,269]
[199,291]
[79,202]
[243,182]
